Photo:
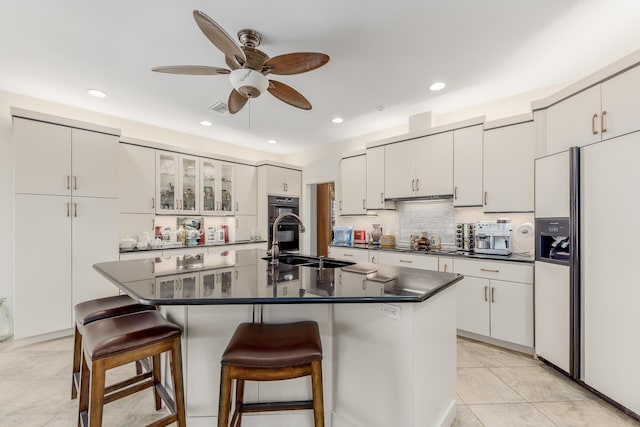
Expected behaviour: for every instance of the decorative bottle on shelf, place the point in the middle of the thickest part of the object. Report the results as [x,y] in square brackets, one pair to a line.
[5,321]
[376,233]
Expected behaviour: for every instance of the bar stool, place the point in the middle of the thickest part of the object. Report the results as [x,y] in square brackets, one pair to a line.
[267,352]
[92,310]
[116,341]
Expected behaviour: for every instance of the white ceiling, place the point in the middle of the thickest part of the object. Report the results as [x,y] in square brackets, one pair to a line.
[383,53]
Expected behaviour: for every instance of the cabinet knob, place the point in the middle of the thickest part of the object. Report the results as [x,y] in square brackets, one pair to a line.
[418,184]
[413,185]
[381,197]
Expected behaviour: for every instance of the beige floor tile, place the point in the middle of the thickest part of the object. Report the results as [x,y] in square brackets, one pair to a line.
[26,420]
[466,418]
[510,415]
[480,385]
[465,359]
[541,384]
[491,356]
[585,413]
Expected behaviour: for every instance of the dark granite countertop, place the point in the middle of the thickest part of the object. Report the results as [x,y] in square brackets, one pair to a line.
[514,257]
[210,279]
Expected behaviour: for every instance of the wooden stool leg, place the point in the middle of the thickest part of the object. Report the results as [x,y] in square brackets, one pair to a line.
[178,388]
[156,380]
[316,384]
[224,405]
[77,356]
[236,420]
[83,401]
[96,393]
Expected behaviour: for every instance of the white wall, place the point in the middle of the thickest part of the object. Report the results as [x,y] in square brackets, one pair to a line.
[129,129]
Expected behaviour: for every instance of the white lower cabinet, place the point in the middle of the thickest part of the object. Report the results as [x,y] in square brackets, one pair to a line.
[404,259]
[349,254]
[495,299]
[54,257]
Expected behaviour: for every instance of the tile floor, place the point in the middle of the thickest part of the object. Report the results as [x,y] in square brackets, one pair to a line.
[495,388]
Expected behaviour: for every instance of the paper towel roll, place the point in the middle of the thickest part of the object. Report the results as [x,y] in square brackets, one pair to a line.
[525,231]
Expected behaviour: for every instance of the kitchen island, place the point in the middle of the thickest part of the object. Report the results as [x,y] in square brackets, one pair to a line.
[388,333]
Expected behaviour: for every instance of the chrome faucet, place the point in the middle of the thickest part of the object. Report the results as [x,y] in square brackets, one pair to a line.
[275,249]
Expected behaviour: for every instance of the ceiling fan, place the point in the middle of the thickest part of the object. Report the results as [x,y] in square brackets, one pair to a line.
[250,66]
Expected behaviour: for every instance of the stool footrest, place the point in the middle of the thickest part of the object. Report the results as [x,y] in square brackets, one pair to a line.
[122,384]
[277,406]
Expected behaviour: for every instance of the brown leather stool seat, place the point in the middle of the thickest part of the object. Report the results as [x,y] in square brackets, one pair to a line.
[90,311]
[116,341]
[267,352]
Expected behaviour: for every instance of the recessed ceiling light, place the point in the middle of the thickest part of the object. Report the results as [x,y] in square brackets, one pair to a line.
[272,141]
[97,93]
[206,123]
[437,86]
[337,120]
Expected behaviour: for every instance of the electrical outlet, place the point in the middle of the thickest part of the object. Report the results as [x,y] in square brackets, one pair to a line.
[392,311]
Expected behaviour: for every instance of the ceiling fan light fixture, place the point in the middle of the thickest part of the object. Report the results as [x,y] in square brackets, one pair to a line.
[249,83]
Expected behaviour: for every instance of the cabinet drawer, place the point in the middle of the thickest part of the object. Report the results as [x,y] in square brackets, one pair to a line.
[349,254]
[403,259]
[494,270]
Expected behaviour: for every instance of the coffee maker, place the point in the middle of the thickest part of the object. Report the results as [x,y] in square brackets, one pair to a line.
[493,237]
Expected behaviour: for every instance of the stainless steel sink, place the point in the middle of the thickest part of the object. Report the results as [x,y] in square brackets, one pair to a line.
[310,261]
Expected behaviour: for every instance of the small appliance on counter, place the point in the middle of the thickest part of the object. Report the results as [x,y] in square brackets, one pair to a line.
[360,236]
[342,234]
[465,236]
[493,237]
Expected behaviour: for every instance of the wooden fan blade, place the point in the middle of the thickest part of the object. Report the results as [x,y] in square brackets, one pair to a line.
[236,101]
[232,63]
[288,94]
[194,70]
[219,37]
[295,63]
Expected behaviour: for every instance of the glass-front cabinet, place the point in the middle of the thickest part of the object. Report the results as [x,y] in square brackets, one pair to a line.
[177,183]
[216,188]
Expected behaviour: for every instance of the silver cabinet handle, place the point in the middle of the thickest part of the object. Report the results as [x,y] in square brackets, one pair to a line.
[413,185]
[593,124]
[153,203]
[406,261]
[68,209]
[418,184]
[493,294]
[381,197]
[603,128]
[75,182]
[236,274]
[364,284]
[347,254]
[485,293]
[485,198]
[445,268]
[75,210]
[489,270]
[364,204]
[340,204]
[455,193]
[373,260]
[68,182]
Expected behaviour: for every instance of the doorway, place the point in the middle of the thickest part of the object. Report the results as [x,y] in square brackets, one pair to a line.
[324,216]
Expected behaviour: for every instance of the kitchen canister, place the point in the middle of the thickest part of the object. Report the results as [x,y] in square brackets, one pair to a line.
[5,321]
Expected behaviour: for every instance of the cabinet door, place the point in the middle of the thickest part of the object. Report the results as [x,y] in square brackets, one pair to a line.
[509,154]
[552,186]
[472,294]
[189,202]
[467,172]
[275,180]
[168,170]
[375,179]
[137,172]
[621,102]
[227,178]
[399,169]
[445,265]
[293,182]
[245,280]
[245,190]
[94,239]
[353,186]
[42,157]
[42,293]
[94,164]
[434,165]
[512,312]
[574,121]
[209,182]
[246,226]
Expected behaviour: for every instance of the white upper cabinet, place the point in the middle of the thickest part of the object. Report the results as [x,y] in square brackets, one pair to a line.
[604,111]
[216,187]
[375,179]
[283,181]
[137,179]
[58,160]
[467,166]
[420,167]
[353,185]
[245,189]
[552,186]
[509,154]
[177,183]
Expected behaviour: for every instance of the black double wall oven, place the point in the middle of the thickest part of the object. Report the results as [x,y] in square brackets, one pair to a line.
[288,233]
